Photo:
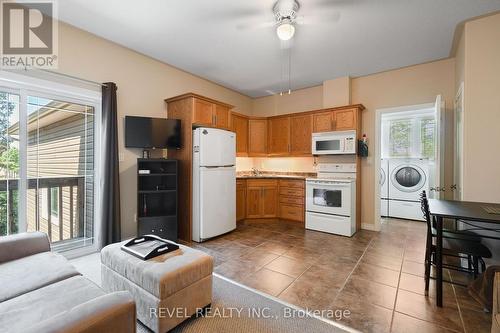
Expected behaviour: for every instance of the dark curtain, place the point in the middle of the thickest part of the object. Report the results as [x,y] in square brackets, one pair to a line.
[110,214]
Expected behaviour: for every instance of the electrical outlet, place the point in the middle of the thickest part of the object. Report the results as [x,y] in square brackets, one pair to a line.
[121,157]
[135,217]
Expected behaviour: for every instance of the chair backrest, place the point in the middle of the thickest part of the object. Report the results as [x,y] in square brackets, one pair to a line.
[424,205]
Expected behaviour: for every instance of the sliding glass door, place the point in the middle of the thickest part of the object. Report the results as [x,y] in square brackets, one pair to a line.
[9,162]
[48,167]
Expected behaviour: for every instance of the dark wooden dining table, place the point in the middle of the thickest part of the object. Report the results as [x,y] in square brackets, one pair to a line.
[463,210]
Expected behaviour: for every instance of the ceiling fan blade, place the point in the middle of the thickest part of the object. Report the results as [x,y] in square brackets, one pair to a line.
[255,25]
[314,19]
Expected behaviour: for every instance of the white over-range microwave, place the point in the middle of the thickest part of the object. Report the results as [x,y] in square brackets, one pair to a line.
[334,143]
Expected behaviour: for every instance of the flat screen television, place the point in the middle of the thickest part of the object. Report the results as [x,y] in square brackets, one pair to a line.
[151,133]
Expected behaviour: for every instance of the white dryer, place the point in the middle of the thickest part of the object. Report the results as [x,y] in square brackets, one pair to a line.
[407,179]
[384,187]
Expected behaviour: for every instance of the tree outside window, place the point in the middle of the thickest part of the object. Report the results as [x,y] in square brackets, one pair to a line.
[410,137]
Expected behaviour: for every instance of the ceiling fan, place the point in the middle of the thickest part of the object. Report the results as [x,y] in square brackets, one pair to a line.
[286,17]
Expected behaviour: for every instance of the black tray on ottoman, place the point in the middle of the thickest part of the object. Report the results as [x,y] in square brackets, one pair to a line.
[149,246]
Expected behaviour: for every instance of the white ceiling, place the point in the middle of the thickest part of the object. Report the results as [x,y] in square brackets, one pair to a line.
[350,37]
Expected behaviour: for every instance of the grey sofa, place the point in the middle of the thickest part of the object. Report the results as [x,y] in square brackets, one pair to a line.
[495,324]
[40,291]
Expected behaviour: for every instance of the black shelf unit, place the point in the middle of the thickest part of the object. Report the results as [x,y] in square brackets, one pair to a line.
[157,198]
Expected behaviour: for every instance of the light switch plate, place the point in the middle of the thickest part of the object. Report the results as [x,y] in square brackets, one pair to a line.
[121,157]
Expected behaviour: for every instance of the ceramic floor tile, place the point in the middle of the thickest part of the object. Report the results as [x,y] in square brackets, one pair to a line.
[402,323]
[363,316]
[377,274]
[476,321]
[288,266]
[268,281]
[425,308]
[416,284]
[274,247]
[372,292]
[258,257]
[392,263]
[306,292]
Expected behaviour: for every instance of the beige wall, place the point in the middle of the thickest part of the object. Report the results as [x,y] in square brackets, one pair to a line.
[299,100]
[407,86]
[143,84]
[481,181]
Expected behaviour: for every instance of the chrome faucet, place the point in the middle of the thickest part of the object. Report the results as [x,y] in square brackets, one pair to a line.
[256,172]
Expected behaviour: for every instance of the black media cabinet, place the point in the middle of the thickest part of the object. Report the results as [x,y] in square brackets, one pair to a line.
[157,197]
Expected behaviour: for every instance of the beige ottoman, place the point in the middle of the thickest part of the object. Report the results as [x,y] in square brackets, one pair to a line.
[167,289]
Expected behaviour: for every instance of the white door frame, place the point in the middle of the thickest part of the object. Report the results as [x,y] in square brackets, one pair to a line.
[378,151]
[25,85]
[458,148]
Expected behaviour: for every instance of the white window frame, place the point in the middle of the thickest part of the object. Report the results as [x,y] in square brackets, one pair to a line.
[25,85]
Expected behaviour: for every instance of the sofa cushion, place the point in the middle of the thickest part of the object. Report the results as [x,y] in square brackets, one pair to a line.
[33,272]
[161,276]
[33,307]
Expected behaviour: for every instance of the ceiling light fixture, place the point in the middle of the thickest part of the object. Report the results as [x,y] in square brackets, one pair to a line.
[285,30]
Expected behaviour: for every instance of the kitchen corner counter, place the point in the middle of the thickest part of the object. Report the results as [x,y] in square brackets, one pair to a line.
[264,175]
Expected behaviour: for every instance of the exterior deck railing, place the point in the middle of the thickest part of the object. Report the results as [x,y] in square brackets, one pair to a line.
[71,214]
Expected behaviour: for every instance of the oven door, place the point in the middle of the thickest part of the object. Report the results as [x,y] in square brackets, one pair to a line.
[328,197]
[327,145]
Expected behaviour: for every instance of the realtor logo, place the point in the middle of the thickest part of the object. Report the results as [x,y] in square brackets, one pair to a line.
[29,34]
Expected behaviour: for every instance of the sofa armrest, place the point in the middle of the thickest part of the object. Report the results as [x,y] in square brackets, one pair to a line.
[111,313]
[21,245]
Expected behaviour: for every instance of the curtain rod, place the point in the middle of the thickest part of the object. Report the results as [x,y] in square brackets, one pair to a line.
[65,76]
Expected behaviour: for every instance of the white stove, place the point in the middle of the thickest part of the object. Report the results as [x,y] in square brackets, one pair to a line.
[331,199]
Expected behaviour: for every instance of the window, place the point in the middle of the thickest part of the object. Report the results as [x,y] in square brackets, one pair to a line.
[48,160]
[400,138]
[411,136]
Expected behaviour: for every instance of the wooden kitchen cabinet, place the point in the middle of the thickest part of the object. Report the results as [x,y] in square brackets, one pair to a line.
[300,135]
[257,137]
[279,136]
[270,201]
[241,189]
[209,113]
[346,119]
[262,198]
[221,114]
[323,122]
[292,199]
[203,112]
[239,124]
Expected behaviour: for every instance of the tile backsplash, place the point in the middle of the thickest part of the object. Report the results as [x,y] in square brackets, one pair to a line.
[288,164]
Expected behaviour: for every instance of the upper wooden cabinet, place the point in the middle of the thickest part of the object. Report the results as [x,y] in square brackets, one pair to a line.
[239,125]
[257,137]
[221,114]
[346,119]
[204,111]
[300,134]
[279,136]
[323,122]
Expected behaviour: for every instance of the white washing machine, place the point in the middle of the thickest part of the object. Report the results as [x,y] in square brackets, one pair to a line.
[407,179]
[384,187]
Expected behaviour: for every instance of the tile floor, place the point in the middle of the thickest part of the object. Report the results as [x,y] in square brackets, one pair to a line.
[378,277]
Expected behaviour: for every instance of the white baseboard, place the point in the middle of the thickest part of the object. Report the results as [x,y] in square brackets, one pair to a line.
[370,226]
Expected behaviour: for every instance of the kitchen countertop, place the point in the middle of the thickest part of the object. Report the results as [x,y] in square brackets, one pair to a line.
[264,174]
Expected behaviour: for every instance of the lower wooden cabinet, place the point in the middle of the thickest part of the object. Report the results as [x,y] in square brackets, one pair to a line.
[292,199]
[270,198]
[292,212]
[241,189]
[262,198]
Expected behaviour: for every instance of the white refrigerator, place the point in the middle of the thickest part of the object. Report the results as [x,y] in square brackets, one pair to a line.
[214,183]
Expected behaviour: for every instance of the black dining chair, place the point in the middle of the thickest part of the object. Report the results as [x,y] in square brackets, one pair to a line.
[454,245]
